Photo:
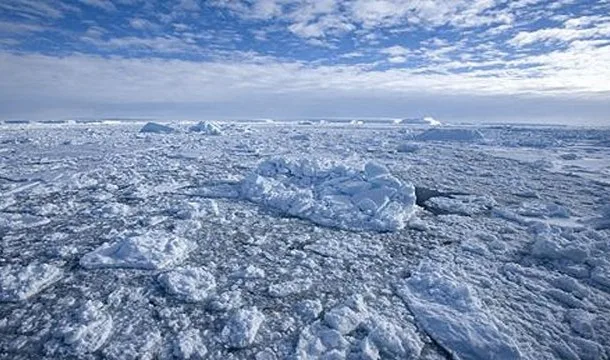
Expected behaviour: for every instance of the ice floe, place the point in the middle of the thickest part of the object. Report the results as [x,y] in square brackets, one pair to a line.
[449,313]
[153,250]
[241,328]
[18,283]
[91,330]
[189,284]
[333,195]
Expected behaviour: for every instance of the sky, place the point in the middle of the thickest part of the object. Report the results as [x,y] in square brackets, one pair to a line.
[456,60]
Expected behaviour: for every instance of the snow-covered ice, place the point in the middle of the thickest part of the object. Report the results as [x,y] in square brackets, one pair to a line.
[242,327]
[278,240]
[153,250]
[190,284]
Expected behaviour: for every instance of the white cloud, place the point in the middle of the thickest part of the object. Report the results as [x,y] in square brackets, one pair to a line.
[574,29]
[102,4]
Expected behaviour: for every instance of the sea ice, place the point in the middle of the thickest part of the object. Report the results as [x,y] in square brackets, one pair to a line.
[333,196]
[153,250]
[18,283]
[241,329]
[450,134]
[189,345]
[189,284]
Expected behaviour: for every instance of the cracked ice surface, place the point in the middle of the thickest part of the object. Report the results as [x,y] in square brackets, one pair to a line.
[507,254]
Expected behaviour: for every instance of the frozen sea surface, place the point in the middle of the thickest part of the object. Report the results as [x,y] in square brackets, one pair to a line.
[303,241]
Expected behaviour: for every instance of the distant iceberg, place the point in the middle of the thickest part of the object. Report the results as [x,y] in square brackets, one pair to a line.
[155,128]
[426,120]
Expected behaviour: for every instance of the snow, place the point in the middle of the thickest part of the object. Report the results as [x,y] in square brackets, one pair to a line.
[18,283]
[189,284]
[154,250]
[450,313]
[155,128]
[242,327]
[207,128]
[332,195]
[450,134]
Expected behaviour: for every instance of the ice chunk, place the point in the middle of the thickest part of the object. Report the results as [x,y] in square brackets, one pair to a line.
[92,330]
[155,128]
[318,342]
[449,313]
[450,134]
[18,283]
[333,196]
[153,250]
[289,287]
[343,319]
[241,329]
[206,128]
[189,284]
[189,345]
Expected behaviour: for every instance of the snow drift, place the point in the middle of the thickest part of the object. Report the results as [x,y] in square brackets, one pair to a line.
[332,195]
[450,134]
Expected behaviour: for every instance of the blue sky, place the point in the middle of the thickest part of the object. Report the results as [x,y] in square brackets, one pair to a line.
[459,60]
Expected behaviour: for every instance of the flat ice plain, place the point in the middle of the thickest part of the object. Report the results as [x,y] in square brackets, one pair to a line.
[310,240]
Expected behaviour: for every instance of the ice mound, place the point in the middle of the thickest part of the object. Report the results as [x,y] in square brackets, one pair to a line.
[18,283]
[332,195]
[155,128]
[206,128]
[189,284]
[408,148]
[450,134]
[447,310]
[241,329]
[154,250]
[93,328]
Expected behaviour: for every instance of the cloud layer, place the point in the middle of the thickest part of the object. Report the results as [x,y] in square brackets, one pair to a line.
[322,57]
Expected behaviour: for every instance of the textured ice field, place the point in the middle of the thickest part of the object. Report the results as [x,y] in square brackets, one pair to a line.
[303,241]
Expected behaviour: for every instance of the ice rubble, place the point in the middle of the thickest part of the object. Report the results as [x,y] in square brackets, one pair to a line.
[189,284]
[448,312]
[354,329]
[241,328]
[450,134]
[153,250]
[18,283]
[155,128]
[205,127]
[332,195]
